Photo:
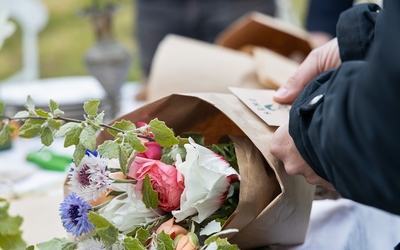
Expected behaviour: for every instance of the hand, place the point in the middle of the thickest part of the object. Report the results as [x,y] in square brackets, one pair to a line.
[320,38]
[284,149]
[318,61]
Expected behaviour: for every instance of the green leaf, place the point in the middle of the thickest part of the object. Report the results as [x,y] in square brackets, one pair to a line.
[30,129]
[4,205]
[31,247]
[72,136]
[122,125]
[135,142]
[30,105]
[197,137]
[88,138]
[162,134]
[10,234]
[150,196]
[65,128]
[99,119]
[98,221]
[177,149]
[122,159]
[91,107]
[11,242]
[55,243]
[53,106]
[79,153]
[58,112]
[21,114]
[47,137]
[42,113]
[9,225]
[224,244]
[109,149]
[166,239]
[55,124]
[142,235]
[4,134]
[109,235]
[2,107]
[133,244]
[69,246]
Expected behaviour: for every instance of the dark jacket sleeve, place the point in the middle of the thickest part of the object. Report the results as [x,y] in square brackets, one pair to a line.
[323,15]
[346,122]
[356,31]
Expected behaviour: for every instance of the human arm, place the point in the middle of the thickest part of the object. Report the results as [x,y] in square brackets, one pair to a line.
[356,32]
[344,123]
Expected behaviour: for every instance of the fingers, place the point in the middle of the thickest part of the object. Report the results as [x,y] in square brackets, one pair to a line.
[283,148]
[319,60]
[297,82]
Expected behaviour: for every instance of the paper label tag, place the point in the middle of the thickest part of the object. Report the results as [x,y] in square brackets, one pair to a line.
[261,102]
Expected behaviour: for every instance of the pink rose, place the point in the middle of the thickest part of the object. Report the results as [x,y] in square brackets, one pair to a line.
[165,179]
[153,151]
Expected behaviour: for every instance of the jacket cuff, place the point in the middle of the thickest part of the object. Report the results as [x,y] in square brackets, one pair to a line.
[356,31]
[301,114]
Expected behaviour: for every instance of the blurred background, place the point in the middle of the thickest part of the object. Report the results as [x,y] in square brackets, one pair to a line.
[68,35]
[66,38]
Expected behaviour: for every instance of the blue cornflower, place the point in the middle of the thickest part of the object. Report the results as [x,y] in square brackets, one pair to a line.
[88,152]
[73,214]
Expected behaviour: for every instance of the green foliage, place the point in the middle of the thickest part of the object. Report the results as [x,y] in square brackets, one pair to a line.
[57,243]
[164,241]
[91,107]
[5,133]
[10,234]
[162,134]
[98,221]
[124,146]
[133,244]
[150,196]
[109,235]
[2,107]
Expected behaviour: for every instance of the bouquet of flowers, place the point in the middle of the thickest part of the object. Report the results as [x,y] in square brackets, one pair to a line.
[137,184]
[145,189]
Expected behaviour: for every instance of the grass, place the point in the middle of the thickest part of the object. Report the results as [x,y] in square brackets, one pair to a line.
[66,38]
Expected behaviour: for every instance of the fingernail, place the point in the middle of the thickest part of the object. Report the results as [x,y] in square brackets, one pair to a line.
[281,92]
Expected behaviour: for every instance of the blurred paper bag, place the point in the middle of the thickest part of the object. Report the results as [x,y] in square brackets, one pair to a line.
[274,208]
[272,69]
[183,65]
[260,30]
[256,51]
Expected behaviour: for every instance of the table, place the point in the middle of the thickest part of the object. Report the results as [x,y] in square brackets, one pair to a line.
[38,192]
[334,224]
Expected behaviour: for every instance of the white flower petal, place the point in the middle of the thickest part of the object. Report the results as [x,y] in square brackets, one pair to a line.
[207,182]
[211,228]
[90,179]
[128,210]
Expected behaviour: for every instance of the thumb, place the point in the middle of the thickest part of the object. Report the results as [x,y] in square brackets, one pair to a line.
[319,60]
[297,82]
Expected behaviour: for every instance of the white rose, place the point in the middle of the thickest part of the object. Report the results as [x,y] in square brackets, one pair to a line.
[208,177]
[127,210]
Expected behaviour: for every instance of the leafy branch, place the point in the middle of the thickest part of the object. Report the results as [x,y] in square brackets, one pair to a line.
[49,125]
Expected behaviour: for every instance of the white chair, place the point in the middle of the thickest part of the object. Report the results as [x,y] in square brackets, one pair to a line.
[32,16]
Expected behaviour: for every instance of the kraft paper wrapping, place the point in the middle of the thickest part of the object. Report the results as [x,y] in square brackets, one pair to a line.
[274,208]
[185,65]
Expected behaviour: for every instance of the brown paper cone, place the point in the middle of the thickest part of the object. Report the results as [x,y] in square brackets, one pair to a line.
[185,65]
[274,208]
